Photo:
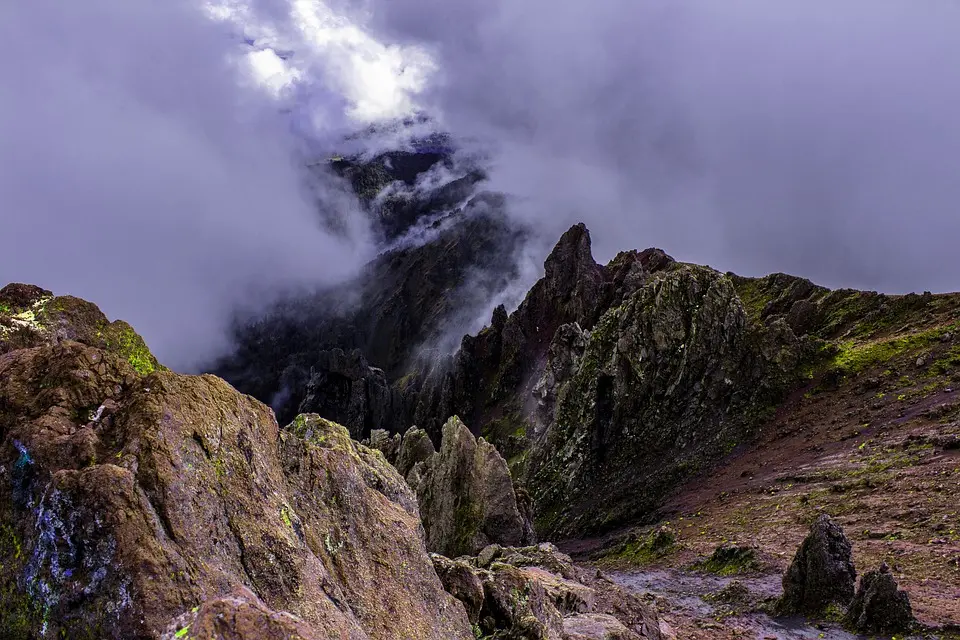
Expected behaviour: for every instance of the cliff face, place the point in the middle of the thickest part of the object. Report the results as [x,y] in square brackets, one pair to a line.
[130,499]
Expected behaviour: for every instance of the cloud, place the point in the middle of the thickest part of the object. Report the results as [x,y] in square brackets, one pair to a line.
[142,168]
[751,135]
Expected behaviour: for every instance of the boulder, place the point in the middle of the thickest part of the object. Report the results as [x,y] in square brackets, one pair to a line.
[537,592]
[128,500]
[31,317]
[466,495]
[461,581]
[415,447]
[879,607]
[822,571]
[381,440]
[596,626]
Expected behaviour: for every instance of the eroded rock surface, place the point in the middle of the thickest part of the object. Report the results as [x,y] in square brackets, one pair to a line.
[879,606]
[666,382]
[128,500]
[466,495]
[822,571]
[533,593]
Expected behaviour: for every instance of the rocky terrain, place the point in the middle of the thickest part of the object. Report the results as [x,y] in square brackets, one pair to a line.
[713,456]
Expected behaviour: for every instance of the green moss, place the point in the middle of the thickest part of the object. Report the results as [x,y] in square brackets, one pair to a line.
[854,357]
[753,296]
[643,549]
[132,347]
[20,615]
[728,560]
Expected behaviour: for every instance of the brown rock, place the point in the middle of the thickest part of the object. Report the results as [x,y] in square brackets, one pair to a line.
[596,626]
[130,500]
[466,496]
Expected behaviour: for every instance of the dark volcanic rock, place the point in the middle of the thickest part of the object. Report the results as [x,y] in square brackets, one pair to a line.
[667,382]
[405,299]
[490,381]
[344,388]
[879,606]
[822,571]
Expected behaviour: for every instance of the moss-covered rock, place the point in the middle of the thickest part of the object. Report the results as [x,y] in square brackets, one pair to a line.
[466,495]
[129,500]
[31,316]
[668,382]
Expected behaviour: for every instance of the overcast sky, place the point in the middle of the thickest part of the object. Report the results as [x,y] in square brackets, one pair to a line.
[143,167]
[143,164]
[815,138]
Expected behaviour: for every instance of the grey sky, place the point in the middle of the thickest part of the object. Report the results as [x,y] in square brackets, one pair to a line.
[136,172]
[815,138]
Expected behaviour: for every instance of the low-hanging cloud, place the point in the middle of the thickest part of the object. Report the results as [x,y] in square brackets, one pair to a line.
[751,135]
[143,169]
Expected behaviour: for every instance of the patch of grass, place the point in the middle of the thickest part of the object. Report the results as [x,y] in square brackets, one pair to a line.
[728,560]
[643,549]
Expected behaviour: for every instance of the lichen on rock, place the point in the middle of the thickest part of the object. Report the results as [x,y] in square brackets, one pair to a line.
[131,500]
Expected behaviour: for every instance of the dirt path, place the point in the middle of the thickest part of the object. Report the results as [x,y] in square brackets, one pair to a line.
[688,602]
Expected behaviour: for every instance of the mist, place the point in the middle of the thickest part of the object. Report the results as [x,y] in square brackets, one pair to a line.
[754,136]
[143,167]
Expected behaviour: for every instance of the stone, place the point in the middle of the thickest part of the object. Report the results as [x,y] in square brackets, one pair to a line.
[822,571]
[415,447]
[596,626]
[242,616]
[129,500]
[466,496]
[460,581]
[879,606]
[667,382]
[529,592]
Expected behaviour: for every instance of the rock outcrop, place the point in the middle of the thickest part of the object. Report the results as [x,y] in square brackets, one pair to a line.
[466,495]
[344,388]
[821,573]
[129,500]
[537,593]
[879,606]
[666,382]
[31,316]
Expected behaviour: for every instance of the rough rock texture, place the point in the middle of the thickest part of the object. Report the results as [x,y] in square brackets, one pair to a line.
[596,626]
[822,571]
[344,388]
[490,380]
[241,616]
[127,501]
[466,495]
[31,316]
[537,593]
[382,441]
[879,606]
[461,582]
[415,447]
[666,382]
